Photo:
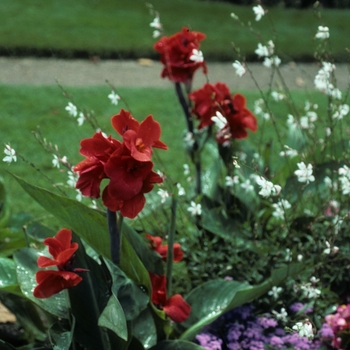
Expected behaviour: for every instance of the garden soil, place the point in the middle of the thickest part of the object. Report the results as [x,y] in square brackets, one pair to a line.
[146,73]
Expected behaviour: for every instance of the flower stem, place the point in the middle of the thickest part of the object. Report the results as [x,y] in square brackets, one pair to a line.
[114,236]
[171,239]
[195,154]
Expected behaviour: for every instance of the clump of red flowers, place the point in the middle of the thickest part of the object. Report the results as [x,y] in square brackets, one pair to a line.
[180,55]
[216,100]
[162,249]
[62,250]
[126,164]
[175,307]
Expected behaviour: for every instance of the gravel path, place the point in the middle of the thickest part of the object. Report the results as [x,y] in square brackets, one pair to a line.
[144,72]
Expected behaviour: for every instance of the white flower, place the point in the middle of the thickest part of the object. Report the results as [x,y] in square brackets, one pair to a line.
[240,70]
[342,111]
[81,119]
[280,208]
[186,169]
[344,171]
[345,185]
[304,329]
[299,257]
[288,256]
[291,122]
[310,291]
[273,61]
[289,152]
[156,23]
[277,96]
[275,291]
[329,249]
[188,139]
[234,16]
[259,12]
[156,34]
[282,315]
[195,209]
[262,51]
[247,186]
[270,47]
[114,98]
[10,154]
[197,56]
[314,280]
[72,179]
[267,187]
[163,195]
[55,161]
[180,190]
[323,33]
[257,106]
[79,196]
[219,120]
[304,173]
[72,109]
[230,181]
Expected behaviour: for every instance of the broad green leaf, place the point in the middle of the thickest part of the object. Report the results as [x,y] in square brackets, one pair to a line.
[132,298]
[8,276]
[26,268]
[6,346]
[86,222]
[11,241]
[61,337]
[144,329]
[176,345]
[38,231]
[113,318]
[213,298]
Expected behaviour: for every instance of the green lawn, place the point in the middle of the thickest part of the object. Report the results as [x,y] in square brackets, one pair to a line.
[121,27]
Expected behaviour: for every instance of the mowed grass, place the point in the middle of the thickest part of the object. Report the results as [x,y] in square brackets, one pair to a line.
[24,108]
[121,28]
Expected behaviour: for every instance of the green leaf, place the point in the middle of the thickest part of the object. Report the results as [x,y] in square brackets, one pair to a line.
[132,297]
[213,298]
[144,329]
[26,268]
[60,336]
[86,222]
[11,241]
[176,345]
[8,276]
[38,231]
[113,318]
[6,346]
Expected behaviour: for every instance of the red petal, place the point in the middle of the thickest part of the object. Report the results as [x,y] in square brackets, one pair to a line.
[52,282]
[44,261]
[64,236]
[132,207]
[123,122]
[158,288]
[178,253]
[177,308]
[155,240]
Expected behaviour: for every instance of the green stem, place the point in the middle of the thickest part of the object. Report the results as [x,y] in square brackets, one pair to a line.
[114,236]
[171,239]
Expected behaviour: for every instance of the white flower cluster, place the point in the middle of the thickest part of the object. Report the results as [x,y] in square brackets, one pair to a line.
[304,173]
[280,208]
[267,187]
[304,329]
[341,111]
[259,12]
[289,152]
[10,154]
[267,52]
[344,179]
[259,105]
[157,26]
[73,111]
[240,69]
[114,98]
[323,81]
[322,33]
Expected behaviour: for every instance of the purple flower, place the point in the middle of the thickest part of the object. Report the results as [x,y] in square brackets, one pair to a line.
[266,322]
[326,331]
[209,341]
[296,307]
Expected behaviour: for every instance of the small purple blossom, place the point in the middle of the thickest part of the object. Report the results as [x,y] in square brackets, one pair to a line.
[297,307]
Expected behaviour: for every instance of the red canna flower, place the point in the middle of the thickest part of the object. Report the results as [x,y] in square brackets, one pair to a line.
[175,307]
[62,250]
[138,138]
[216,98]
[127,165]
[162,250]
[178,54]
